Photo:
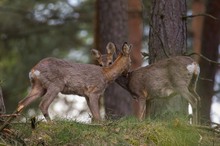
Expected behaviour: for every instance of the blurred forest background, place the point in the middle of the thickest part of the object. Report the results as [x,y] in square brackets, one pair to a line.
[33,30]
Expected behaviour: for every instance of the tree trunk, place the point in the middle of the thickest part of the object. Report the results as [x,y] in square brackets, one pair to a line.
[167,38]
[111,26]
[198,7]
[209,48]
[2,105]
[135,30]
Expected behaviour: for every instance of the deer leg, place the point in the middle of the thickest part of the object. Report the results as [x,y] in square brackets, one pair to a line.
[35,92]
[93,103]
[47,99]
[192,90]
[198,104]
[141,108]
[135,106]
[193,101]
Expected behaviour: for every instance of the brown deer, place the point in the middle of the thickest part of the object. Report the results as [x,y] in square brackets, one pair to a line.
[166,78]
[51,76]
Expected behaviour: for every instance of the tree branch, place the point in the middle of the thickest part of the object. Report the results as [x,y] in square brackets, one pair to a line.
[201,14]
[202,56]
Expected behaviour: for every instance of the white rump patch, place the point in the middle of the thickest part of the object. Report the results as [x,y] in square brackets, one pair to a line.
[37,72]
[193,68]
[34,73]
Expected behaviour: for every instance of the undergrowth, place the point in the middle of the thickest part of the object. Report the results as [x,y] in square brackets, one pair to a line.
[123,132]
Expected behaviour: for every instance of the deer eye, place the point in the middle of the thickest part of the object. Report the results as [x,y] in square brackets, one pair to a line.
[110,63]
[101,65]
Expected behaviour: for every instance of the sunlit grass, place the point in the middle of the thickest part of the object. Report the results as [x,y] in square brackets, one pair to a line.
[127,131]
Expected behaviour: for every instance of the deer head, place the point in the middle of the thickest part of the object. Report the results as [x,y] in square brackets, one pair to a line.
[105,60]
[51,76]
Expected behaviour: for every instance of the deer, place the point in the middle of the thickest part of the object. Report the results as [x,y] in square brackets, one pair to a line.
[166,78]
[52,76]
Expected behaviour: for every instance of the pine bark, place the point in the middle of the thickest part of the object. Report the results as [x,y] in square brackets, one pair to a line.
[2,104]
[111,26]
[167,38]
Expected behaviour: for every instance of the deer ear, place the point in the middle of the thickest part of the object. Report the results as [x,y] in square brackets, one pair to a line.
[96,53]
[126,49]
[111,48]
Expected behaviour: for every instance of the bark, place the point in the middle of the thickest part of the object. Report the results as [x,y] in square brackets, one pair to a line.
[135,30]
[111,23]
[167,38]
[198,7]
[168,29]
[2,105]
[111,26]
[209,48]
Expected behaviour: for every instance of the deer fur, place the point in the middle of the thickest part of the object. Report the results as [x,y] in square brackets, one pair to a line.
[51,76]
[166,78]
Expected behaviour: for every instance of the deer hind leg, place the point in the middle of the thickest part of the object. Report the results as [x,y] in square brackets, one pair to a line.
[47,99]
[193,100]
[192,89]
[141,109]
[93,104]
[198,103]
[36,91]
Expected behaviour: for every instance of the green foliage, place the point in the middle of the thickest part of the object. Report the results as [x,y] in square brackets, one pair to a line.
[126,131]
[32,30]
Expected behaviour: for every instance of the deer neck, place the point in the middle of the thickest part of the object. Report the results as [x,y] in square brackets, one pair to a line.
[115,70]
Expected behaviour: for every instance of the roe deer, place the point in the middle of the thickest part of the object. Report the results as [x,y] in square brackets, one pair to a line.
[166,78]
[51,76]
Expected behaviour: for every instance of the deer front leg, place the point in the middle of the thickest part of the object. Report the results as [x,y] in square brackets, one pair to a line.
[47,99]
[93,103]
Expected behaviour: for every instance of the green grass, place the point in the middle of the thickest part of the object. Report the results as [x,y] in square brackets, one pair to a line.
[123,132]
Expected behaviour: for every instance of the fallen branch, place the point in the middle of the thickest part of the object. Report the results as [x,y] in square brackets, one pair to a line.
[8,121]
[9,115]
[208,128]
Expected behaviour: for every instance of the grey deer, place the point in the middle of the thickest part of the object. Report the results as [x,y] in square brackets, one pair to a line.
[166,78]
[51,76]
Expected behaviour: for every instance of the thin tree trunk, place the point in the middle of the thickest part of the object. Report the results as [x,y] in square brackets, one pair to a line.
[167,38]
[210,44]
[198,7]
[111,26]
[2,104]
[135,30]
